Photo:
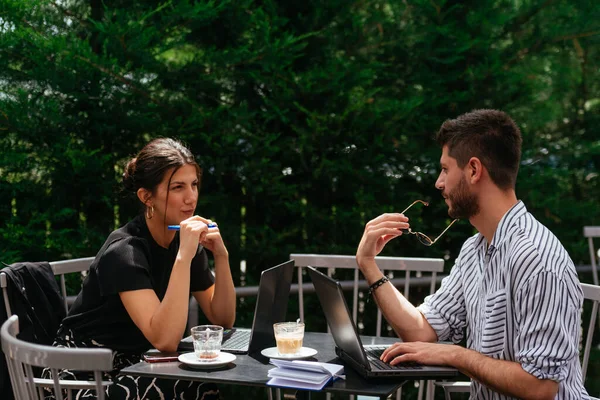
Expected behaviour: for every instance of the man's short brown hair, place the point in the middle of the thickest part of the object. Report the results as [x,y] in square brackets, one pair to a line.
[490,135]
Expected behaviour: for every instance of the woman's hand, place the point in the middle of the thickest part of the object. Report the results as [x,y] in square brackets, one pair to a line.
[197,230]
[191,232]
[213,241]
[218,302]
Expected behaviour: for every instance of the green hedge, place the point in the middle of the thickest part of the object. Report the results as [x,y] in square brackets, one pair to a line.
[308,118]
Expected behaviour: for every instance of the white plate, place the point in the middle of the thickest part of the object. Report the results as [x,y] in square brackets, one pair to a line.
[304,352]
[191,360]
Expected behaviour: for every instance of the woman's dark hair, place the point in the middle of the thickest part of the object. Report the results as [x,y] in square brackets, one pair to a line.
[490,135]
[148,168]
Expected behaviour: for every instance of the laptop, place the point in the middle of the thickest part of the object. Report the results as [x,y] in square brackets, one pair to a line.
[349,347]
[271,307]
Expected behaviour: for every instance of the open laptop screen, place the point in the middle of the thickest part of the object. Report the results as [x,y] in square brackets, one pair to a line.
[346,337]
[271,305]
[338,316]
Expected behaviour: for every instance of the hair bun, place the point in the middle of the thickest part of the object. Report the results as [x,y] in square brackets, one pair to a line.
[129,175]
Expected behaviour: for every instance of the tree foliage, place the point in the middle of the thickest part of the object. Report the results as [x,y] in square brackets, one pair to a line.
[308,118]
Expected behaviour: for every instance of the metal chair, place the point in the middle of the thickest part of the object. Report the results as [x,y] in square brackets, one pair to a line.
[454,387]
[591,232]
[432,266]
[22,356]
[590,292]
[60,268]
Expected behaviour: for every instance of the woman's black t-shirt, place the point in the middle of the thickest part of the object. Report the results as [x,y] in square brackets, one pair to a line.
[130,259]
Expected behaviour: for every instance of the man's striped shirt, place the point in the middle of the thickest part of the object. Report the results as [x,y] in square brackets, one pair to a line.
[518,299]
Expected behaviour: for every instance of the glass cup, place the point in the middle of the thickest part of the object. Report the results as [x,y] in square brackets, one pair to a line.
[289,336]
[207,341]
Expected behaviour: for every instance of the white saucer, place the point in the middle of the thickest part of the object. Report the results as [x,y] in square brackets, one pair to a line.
[304,352]
[191,360]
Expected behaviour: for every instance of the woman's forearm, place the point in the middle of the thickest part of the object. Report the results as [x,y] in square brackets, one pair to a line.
[223,303]
[170,317]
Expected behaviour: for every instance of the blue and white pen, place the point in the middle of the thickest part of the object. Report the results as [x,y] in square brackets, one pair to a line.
[176,227]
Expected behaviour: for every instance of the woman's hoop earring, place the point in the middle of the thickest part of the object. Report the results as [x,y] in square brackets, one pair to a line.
[149,212]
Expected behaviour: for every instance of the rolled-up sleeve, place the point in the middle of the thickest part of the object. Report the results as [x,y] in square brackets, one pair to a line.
[548,316]
[445,309]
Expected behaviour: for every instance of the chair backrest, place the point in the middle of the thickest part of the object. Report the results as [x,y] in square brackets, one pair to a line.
[22,356]
[591,232]
[590,292]
[60,268]
[386,264]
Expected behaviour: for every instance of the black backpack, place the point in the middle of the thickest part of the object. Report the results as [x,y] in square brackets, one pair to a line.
[34,296]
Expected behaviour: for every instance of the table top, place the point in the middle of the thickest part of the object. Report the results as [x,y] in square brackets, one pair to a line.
[248,370]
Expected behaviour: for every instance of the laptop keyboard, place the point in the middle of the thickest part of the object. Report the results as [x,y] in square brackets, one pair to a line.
[373,354]
[238,341]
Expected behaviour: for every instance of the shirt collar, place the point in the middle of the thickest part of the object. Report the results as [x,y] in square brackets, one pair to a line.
[504,226]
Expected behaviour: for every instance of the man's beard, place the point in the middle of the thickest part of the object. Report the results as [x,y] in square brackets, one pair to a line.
[463,204]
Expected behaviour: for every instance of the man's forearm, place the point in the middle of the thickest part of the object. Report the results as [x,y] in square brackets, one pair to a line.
[503,376]
[408,323]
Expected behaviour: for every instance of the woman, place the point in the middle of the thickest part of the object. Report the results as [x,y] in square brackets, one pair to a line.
[136,294]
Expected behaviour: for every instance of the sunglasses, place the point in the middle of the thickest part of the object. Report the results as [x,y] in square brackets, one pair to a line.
[423,238]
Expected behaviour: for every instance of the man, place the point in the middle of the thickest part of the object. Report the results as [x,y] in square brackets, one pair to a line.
[513,287]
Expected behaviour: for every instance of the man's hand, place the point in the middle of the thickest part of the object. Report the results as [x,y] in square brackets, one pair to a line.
[421,352]
[505,377]
[378,232]
[405,319]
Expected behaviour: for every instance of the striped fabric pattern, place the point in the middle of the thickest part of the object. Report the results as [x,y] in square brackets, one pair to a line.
[518,299]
